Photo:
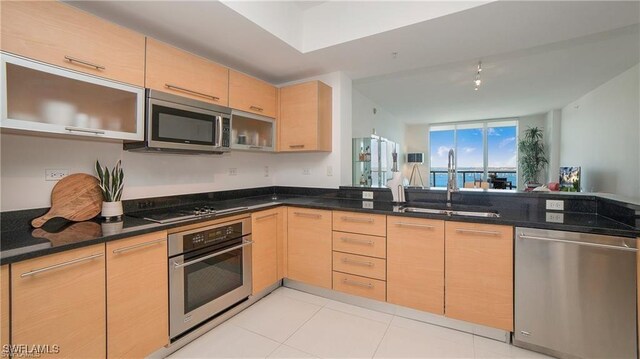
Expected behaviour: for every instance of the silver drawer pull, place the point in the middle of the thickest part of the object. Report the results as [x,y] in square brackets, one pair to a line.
[82,62]
[357,220]
[266,216]
[296,146]
[60,265]
[256,108]
[474,231]
[178,88]
[255,147]
[357,284]
[84,130]
[124,249]
[245,242]
[311,215]
[367,242]
[405,224]
[360,263]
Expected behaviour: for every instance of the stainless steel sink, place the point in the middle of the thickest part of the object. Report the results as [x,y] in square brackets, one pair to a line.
[451,212]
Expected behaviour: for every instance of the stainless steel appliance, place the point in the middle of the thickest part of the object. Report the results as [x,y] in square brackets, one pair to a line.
[181,125]
[575,294]
[209,272]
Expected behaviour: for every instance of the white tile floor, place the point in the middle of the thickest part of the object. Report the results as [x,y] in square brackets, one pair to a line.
[293,324]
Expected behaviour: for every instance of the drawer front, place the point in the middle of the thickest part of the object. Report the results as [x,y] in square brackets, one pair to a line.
[61,35]
[362,244]
[360,286]
[360,265]
[175,71]
[252,95]
[363,223]
[464,230]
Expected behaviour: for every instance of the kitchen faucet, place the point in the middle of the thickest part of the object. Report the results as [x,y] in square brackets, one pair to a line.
[452,182]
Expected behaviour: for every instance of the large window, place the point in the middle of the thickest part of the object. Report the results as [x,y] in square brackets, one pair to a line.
[482,149]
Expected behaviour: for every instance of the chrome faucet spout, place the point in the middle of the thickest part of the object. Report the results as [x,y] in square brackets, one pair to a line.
[452,182]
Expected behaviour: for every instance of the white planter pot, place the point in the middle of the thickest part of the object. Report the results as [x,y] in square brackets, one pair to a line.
[112,209]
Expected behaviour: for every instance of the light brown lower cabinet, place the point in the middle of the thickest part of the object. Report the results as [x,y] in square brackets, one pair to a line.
[361,286]
[4,305]
[268,232]
[137,296]
[309,246]
[415,263]
[58,300]
[479,274]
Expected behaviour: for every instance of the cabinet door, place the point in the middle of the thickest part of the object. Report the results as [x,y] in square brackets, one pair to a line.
[137,296]
[252,95]
[58,34]
[4,305]
[305,117]
[59,299]
[266,226]
[309,246]
[479,274]
[172,70]
[415,263]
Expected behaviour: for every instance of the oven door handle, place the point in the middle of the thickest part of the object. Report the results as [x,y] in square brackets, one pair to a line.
[245,242]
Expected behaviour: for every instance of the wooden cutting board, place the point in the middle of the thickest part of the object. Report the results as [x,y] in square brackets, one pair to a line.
[76,197]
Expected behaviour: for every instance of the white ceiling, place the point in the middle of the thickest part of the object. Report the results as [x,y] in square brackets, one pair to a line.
[538,55]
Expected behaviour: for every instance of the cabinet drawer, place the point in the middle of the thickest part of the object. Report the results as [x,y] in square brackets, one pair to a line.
[362,244]
[175,71]
[360,265]
[364,223]
[252,95]
[58,34]
[360,286]
[460,230]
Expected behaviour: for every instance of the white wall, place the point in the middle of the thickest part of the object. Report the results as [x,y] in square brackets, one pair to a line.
[364,120]
[600,132]
[291,165]
[552,144]
[25,158]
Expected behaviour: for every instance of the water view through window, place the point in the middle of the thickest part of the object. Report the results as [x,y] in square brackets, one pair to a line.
[483,150]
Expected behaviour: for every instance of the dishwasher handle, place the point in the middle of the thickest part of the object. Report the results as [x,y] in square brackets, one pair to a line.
[598,245]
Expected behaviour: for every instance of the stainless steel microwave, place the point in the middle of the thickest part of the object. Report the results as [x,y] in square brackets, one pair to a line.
[180,125]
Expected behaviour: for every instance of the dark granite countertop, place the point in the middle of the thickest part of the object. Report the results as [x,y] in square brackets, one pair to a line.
[20,241]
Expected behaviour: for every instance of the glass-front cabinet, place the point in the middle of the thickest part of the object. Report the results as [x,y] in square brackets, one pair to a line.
[252,132]
[45,98]
[372,161]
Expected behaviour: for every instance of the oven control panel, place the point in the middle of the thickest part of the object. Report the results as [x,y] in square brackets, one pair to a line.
[211,236]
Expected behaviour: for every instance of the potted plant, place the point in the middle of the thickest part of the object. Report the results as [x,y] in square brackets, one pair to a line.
[111,184]
[532,156]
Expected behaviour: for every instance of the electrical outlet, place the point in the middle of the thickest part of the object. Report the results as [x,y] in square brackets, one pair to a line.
[367,204]
[55,175]
[233,171]
[555,217]
[367,194]
[306,171]
[266,171]
[555,205]
[329,171]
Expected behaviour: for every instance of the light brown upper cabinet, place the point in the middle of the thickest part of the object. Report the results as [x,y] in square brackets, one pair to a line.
[137,296]
[309,246]
[305,117]
[415,263]
[58,34]
[172,70]
[58,299]
[252,95]
[4,305]
[479,274]
[268,233]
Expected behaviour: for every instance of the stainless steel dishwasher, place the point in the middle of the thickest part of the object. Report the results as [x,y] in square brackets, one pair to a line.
[575,294]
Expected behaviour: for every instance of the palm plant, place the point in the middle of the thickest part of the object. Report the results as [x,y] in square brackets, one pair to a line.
[533,158]
[111,182]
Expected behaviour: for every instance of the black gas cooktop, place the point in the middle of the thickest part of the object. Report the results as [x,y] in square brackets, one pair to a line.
[176,214]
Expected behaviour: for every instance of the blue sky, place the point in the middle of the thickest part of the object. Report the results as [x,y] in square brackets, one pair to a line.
[501,142]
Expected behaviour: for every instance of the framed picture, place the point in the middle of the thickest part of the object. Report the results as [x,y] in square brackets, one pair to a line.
[570,179]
